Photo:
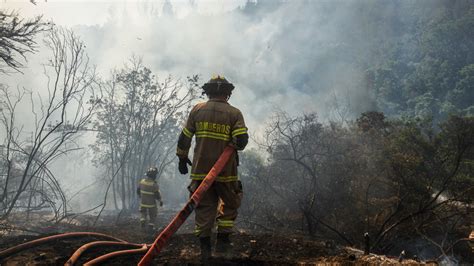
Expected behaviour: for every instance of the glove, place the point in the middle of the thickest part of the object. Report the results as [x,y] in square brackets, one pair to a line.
[183,165]
[241,141]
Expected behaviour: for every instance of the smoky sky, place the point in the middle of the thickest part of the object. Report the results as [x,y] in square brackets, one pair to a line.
[292,56]
[281,55]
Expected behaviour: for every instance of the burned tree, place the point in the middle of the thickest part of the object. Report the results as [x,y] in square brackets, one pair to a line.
[17,38]
[57,116]
[304,179]
[137,125]
[430,178]
[398,180]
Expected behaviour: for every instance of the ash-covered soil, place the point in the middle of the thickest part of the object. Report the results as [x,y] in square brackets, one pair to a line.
[249,248]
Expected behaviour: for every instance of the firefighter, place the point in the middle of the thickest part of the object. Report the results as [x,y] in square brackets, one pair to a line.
[149,193]
[215,124]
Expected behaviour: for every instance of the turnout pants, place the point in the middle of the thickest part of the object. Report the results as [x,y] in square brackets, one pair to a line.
[148,211]
[219,204]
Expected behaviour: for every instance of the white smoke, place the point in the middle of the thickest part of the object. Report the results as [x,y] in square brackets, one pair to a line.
[279,54]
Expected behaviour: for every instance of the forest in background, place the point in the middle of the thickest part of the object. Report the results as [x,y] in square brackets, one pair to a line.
[399,167]
[413,58]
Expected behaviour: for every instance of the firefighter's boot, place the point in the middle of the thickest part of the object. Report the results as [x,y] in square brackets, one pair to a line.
[205,243]
[223,244]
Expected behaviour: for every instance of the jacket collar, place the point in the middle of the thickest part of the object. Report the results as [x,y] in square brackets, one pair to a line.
[217,100]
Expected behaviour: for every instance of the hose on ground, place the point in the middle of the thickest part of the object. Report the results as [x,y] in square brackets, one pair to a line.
[10,251]
[110,255]
[77,254]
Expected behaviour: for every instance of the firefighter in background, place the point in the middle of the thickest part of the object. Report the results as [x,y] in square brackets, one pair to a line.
[149,193]
[215,124]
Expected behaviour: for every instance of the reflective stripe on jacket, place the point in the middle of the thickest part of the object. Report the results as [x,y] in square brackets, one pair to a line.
[149,192]
[214,123]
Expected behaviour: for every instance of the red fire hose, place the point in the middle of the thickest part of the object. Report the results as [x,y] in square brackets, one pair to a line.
[73,259]
[179,219]
[7,252]
[105,257]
